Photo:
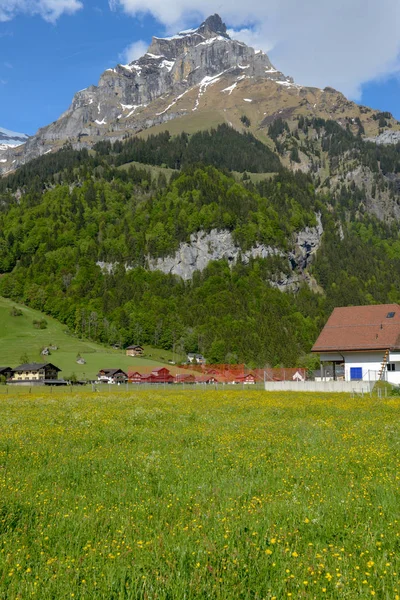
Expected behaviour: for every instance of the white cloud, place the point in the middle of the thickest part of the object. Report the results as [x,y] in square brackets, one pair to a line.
[134,51]
[50,10]
[341,43]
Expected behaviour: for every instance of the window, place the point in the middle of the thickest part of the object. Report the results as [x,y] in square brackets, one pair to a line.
[391,366]
[390,315]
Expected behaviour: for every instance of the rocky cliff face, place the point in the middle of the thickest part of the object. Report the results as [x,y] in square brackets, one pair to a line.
[170,69]
[219,245]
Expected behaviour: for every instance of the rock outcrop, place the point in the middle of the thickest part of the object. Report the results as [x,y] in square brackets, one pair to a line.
[219,245]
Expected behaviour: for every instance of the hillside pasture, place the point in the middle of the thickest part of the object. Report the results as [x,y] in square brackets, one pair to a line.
[199,494]
[18,336]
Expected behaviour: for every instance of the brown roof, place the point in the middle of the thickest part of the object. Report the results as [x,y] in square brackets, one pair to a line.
[372,327]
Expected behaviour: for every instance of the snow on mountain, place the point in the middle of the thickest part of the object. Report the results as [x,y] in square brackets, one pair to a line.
[11,139]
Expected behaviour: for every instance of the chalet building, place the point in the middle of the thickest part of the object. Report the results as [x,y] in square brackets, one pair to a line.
[206,379]
[364,340]
[161,375]
[112,376]
[135,377]
[36,374]
[134,351]
[6,372]
[248,379]
[197,359]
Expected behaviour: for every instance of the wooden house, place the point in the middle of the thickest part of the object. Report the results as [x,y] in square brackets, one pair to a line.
[135,377]
[134,351]
[112,376]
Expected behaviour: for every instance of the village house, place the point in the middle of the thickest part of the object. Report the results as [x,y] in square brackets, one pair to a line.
[134,351]
[135,377]
[206,379]
[36,374]
[158,375]
[365,340]
[112,376]
[197,359]
[248,379]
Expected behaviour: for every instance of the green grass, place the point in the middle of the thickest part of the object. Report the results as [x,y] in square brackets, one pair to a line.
[154,169]
[204,494]
[192,123]
[18,336]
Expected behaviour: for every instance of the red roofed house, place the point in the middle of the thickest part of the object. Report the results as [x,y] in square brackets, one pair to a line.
[246,379]
[135,377]
[366,339]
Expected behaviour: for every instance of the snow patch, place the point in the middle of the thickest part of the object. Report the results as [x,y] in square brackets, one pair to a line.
[172,104]
[134,108]
[218,38]
[133,67]
[230,88]
[167,64]
[203,85]
[102,122]
[247,99]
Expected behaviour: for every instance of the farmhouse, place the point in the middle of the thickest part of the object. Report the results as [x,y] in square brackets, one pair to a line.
[112,376]
[198,359]
[363,339]
[35,373]
[134,351]
[207,379]
[248,379]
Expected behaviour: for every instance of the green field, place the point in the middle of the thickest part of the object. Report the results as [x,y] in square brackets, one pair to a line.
[18,336]
[203,494]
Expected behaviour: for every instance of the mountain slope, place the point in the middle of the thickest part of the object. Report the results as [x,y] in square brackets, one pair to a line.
[201,74]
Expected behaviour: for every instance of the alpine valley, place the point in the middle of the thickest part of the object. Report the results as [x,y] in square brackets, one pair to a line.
[199,199]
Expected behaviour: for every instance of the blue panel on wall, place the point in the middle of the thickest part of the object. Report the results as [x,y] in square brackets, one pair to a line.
[355,373]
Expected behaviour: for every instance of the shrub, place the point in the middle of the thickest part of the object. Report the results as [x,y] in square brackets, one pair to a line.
[40,323]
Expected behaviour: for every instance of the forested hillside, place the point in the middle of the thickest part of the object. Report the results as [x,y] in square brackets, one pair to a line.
[63,214]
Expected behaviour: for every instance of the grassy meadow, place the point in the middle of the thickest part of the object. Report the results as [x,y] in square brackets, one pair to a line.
[18,336]
[199,494]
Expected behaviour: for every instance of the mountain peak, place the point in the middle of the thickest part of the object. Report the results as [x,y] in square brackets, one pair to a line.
[213,25]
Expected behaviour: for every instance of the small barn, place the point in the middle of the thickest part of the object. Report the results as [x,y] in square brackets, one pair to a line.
[134,351]
[364,341]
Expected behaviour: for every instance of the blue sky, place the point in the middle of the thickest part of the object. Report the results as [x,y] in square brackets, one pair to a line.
[45,58]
